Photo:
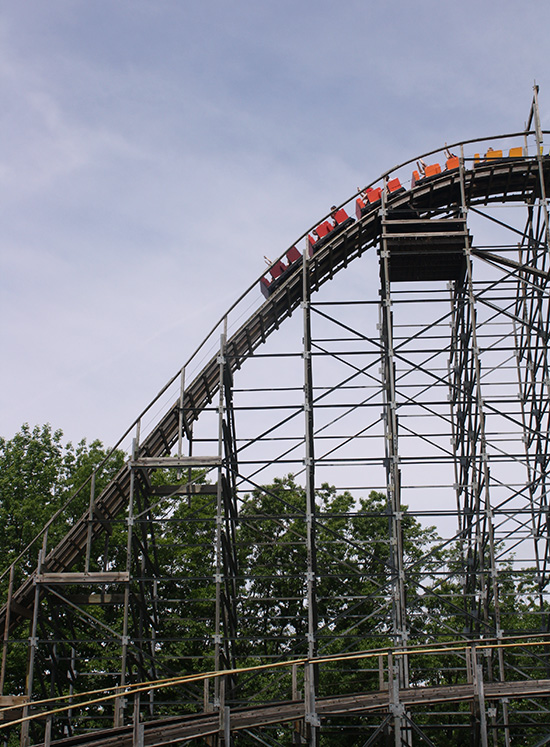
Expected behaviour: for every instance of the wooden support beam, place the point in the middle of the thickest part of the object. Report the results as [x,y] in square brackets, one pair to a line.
[109,577]
[210,489]
[13,705]
[6,701]
[96,598]
[176,461]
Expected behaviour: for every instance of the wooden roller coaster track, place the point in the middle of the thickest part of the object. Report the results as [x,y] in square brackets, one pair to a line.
[433,207]
[162,732]
[506,180]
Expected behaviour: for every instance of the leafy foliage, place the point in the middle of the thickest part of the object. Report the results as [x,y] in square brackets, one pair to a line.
[43,484]
[173,589]
[38,474]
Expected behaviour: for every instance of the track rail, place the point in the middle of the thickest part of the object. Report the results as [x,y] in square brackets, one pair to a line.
[176,730]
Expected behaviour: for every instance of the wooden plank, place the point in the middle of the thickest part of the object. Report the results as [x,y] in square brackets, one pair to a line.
[12,700]
[209,489]
[176,461]
[108,577]
[96,598]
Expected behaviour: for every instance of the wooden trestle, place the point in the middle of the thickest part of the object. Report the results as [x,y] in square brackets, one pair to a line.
[425,236]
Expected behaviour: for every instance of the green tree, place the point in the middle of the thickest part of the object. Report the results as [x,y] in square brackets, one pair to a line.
[184,564]
[354,589]
[43,482]
[174,567]
[38,475]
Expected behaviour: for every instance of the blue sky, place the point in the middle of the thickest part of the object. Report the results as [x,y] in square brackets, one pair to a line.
[152,151]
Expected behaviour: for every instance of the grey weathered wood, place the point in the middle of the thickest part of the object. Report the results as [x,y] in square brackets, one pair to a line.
[109,577]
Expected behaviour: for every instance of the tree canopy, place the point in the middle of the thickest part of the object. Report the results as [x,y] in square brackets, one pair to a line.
[39,473]
[173,588]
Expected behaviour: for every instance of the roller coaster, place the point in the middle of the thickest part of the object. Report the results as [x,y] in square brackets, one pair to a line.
[338,533]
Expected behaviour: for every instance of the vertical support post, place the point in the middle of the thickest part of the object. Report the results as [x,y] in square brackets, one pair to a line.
[399,678]
[6,631]
[224,713]
[396,708]
[479,692]
[33,644]
[482,478]
[531,351]
[535,378]
[120,702]
[381,682]
[49,717]
[138,728]
[296,695]
[71,690]
[90,524]
[48,732]
[226,630]
[311,669]
[539,138]
[218,648]
[230,519]
[180,413]
[182,425]
[473,476]
[207,706]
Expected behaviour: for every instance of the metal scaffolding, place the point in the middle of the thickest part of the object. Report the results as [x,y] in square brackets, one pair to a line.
[337,528]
